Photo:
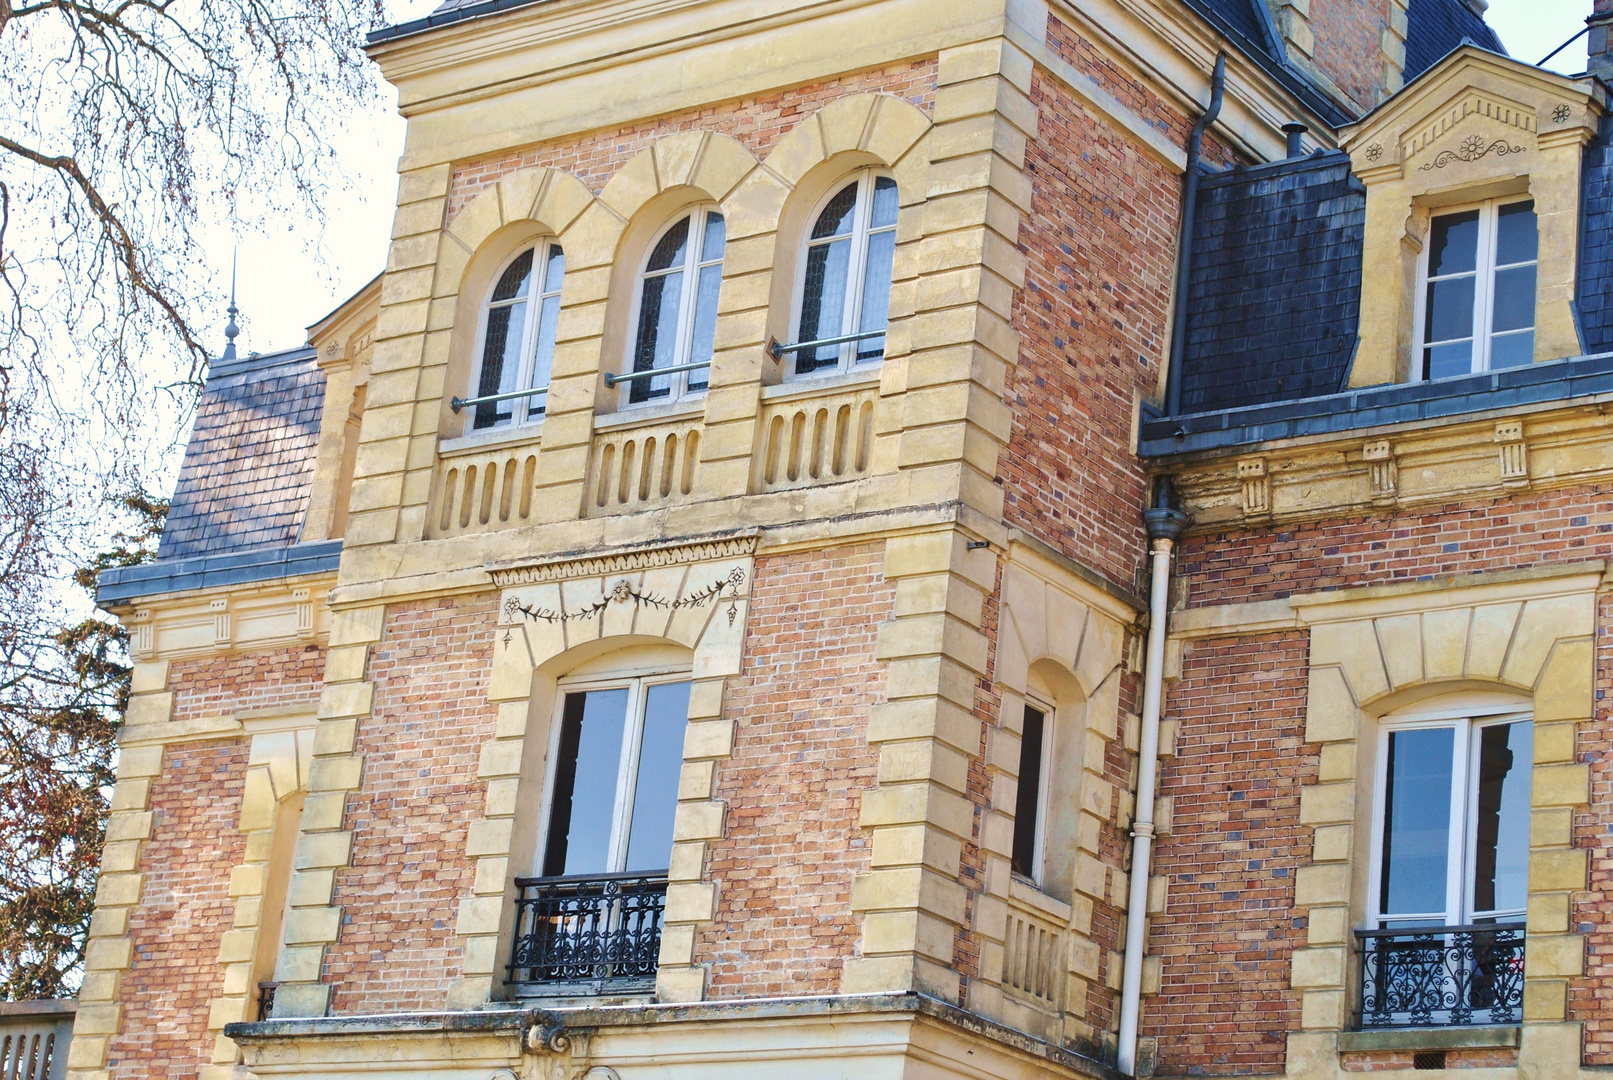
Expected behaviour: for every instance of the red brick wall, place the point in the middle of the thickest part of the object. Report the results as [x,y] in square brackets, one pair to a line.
[758,122]
[184,910]
[1100,241]
[1349,45]
[1175,124]
[237,682]
[399,898]
[1228,930]
[794,785]
[1536,529]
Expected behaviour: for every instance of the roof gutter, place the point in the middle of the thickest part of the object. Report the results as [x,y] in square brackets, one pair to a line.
[1184,262]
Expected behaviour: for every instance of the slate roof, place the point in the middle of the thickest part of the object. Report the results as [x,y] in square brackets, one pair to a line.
[1595,300]
[1274,293]
[249,466]
[1435,27]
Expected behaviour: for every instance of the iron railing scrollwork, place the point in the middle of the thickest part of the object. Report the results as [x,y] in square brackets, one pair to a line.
[588,934]
[266,1000]
[1438,976]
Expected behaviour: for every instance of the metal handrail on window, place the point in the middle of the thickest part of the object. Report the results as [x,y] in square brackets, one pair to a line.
[1439,976]
[587,934]
[612,379]
[459,403]
[778,351]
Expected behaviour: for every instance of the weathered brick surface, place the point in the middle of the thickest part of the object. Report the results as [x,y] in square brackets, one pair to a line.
[1535,529]
[1099,240]
[758,122]
[1229,928]
[184,910]
[794,786]
[241,682]
[421,747]
[1349,45]
[1130,91]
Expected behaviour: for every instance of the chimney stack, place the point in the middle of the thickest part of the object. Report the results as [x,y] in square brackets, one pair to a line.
[1601,24]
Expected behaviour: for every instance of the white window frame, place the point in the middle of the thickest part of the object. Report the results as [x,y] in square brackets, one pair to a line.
[1484,272]
[1043,792]
[856,272]
[1468,722]
[637,684]
[538,291]
[695,260]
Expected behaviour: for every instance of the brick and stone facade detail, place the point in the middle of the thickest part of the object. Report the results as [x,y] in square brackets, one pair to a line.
[800,766]
[1228,929]
[325,843]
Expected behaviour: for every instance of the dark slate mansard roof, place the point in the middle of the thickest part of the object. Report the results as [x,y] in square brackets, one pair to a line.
[1436,27]
[243,488]
[1594,304]
[1276,273]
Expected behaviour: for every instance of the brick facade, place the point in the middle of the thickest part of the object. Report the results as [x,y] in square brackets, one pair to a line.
[409,871]
[1349,46]
[758,122]
[801,762]
[185,908]
[1590,999]
[1227,933]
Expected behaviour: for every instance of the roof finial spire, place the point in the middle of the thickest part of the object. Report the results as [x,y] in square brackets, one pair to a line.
[230,329]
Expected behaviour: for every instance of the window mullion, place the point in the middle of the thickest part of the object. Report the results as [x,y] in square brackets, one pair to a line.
[857,270]
[626,774]
[1456,885]
[1484,287]
[684,347]
[529,333]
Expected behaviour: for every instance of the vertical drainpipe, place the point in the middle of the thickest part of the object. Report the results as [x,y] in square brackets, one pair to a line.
[1165,523]
[1184,261]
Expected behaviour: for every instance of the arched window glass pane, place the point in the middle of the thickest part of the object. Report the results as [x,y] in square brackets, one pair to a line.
[659,307]
[501,347]
[885,200]
[548,316]
[846,282]
[705,305]
[836,218]
[823,296]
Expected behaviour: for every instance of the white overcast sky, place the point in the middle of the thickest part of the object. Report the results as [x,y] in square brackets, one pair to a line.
[292,274]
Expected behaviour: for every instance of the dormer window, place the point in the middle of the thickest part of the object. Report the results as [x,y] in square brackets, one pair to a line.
[1477,304]
[517,343]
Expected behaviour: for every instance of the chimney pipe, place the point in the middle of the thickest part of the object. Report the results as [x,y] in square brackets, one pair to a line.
[1294,129]
[1601,56]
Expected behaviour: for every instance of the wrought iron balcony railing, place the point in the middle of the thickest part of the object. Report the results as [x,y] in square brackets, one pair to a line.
[598,934]
[1437,976]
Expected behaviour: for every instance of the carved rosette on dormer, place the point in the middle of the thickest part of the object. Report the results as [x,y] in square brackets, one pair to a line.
[1475,126]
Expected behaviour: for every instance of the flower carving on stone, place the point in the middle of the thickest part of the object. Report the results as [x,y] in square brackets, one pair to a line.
[1561,114]
[1374,152]
[1471,148]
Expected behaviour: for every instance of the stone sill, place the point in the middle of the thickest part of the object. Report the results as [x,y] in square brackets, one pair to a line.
[1477,1037]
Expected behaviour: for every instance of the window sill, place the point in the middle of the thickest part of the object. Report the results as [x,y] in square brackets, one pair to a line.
[688,408]
[1028,893]
[808,386]
[1474,1037]
[492,438]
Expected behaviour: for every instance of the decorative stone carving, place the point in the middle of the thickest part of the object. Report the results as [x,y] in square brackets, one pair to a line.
[1256,487]
[627,561]
[1472,148]
[1514,453]
[1385,474]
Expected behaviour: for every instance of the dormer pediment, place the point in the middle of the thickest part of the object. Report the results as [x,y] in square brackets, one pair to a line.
[1473,107]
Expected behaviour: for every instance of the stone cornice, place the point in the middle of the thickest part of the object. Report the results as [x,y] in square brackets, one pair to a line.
[626,560]
[251,617]
[1399,466]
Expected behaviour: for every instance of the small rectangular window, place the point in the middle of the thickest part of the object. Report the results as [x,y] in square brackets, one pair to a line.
[1028,806]
[1477,301]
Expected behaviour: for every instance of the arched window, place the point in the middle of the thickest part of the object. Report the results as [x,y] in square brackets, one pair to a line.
[517,340]
[846,279]
[677,308]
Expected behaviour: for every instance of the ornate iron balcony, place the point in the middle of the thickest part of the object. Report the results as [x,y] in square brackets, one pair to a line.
[1437,976]
[587,935]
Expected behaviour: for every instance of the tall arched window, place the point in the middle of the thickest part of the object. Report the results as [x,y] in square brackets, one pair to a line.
[517,342]
[846,279]
[677,308]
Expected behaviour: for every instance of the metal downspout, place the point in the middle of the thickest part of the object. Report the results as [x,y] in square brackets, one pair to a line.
[1165,524]
[1184,262]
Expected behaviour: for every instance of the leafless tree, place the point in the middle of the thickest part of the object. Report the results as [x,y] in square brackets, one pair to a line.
[127,128]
